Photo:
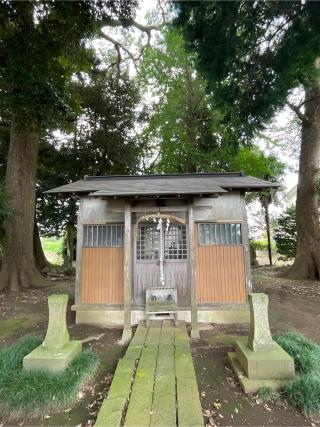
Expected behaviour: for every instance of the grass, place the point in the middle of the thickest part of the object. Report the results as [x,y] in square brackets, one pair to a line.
[52,244]
[37,393]
[52,247]
[306,353]
[304,390]
[266,394]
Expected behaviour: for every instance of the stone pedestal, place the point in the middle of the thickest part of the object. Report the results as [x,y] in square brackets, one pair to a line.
[259,361]
[56,351]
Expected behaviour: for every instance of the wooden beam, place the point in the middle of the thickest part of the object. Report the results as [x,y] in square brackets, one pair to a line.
[192,273]
[156,209]
[127,331]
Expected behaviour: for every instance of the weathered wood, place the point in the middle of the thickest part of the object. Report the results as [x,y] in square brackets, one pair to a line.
[127,331]
[245,241]
[192,274]
[79,253]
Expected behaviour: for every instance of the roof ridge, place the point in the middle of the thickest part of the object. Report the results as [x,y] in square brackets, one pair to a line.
[155,176]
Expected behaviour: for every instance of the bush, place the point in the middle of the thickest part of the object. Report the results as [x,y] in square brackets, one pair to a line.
[286,233]
[304,392]
[306,353]
[36,393]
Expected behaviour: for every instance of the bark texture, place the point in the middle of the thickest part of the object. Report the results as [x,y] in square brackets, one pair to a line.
[69,257]
[307,260]
[39,256]
[18,266]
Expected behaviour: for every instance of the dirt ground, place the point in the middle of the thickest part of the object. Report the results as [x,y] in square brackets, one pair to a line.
[293,306]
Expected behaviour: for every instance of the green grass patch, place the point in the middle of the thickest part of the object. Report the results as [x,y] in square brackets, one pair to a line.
[306,353]
[52,244]
[304,390]
[26,394]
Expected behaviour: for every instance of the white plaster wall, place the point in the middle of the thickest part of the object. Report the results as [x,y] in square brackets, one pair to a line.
[225,207]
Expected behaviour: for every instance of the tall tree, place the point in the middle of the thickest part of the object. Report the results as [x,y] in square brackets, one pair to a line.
[102,142]
[253,54]
[181,128]
[42,46]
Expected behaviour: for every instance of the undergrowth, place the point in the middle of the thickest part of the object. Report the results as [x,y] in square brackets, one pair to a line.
[304,390]
[37,393]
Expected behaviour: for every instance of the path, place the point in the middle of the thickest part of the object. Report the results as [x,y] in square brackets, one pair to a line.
[154,383]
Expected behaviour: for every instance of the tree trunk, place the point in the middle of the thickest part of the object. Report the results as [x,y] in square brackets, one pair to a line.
[267,219]
[39,256]
[18,267]
[70,253]
[307,261]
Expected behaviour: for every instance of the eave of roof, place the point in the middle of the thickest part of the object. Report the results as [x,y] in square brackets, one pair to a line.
[151,185]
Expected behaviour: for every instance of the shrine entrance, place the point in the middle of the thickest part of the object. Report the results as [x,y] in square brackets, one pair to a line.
[161,258]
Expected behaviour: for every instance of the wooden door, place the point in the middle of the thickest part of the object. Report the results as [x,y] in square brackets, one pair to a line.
[147,261]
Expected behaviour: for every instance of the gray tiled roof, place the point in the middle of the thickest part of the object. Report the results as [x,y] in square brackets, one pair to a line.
[139,185]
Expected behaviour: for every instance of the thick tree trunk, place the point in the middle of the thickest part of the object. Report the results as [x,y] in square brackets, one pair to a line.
[39,256]
[18,267]
[70,236]
[307,261]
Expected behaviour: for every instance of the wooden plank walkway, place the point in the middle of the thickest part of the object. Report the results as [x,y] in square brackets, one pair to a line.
[154,383]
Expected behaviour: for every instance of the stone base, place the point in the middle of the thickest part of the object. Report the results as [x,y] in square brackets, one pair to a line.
[253,385]
[274,364]
[52,360]
[98,314]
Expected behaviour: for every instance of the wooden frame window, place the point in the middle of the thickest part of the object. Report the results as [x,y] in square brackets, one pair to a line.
[103,236]
[220,234]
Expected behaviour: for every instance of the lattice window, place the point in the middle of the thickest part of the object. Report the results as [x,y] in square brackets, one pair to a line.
[148,242]
[220,234]
[102,236]
[174,242]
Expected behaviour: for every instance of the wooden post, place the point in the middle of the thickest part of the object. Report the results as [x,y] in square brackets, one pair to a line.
[127,331]
[245,242]
[192,274]
[77,298]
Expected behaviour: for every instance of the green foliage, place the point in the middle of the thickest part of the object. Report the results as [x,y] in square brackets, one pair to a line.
[261,245]
[304,392]
[43,44]
[253,161]
[181,130]
[286,233]
[306,353]
[101,143]
[34,394]
[245,53]
[52,244]
[266,394]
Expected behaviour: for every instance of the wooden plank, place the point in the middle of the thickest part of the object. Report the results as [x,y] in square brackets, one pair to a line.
[102,275]
[220,274]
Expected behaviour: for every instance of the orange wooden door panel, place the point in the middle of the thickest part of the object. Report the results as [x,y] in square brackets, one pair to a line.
[102,275]
[220,274]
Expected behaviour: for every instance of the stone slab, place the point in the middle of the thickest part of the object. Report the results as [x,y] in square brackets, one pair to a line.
[275,364]
[52,360]
[253,385]
[164,401]
[188,402]
[111,412]
[259,338]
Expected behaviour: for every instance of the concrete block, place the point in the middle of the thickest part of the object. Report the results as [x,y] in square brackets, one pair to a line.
[52,360]
[250,385]
[57,336]
[272,364]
